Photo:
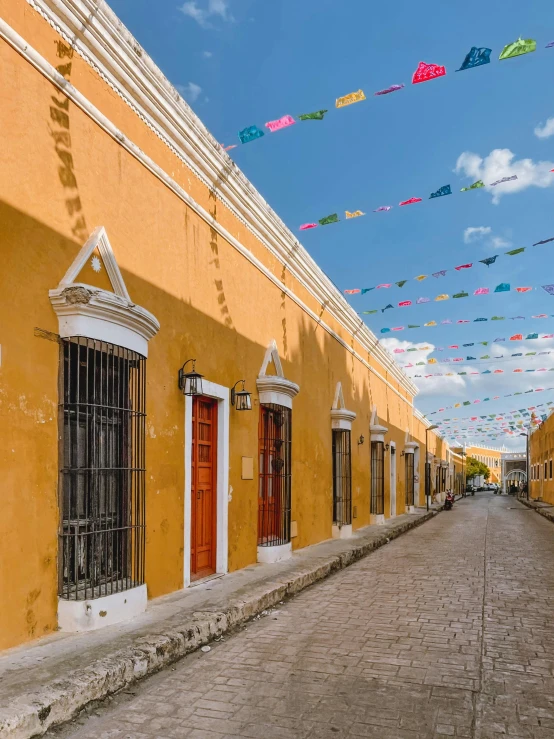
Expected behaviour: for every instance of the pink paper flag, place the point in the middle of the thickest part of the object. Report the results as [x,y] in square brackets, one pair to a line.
[404,303]
[228,148]
[523,289]
[541,315]
[284,122]
[481,290]
[426,72]
[382,208]
[463,321]
[410,201]
[306,226]
[498,372]
[384,284]
[453,346]
[464,266]
[458,359]
[399,351]
[352,292]
[398,328]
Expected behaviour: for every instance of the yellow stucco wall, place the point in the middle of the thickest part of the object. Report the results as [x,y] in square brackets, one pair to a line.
[541,450]
[62,177]
[491,457]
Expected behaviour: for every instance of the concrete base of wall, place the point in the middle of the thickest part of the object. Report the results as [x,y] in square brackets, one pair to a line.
[410,509]
[269,555]
[380,519]
[75,616]
[342,532]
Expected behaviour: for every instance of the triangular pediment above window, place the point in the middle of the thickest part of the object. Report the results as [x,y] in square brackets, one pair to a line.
[341,418]
[275,388]
[100,307]
[96,256]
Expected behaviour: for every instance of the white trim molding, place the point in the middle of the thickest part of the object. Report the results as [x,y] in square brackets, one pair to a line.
[88,615]
[275,388]
[84,310]
[377,432]
[221,394]
[270,555]
[93,30]
[341,418]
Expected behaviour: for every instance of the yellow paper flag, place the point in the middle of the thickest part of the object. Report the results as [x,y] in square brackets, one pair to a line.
[353,97]
[356,214]
[432,361]
[421,277]
[442,297]
[431,323]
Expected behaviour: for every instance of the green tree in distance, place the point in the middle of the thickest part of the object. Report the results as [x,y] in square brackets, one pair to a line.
[474,468]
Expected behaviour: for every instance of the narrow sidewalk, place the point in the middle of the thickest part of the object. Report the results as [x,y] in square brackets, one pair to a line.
[48,681]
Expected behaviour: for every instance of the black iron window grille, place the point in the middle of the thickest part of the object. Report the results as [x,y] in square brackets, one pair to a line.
[410,479]
[102,469]
[342,478]
[377,478]
[274,494]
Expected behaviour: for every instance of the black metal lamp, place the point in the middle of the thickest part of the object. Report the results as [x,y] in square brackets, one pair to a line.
[361,440]
[241,399]
[190,383]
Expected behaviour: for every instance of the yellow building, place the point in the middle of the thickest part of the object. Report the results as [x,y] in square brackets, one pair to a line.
[130,245]
[491,456]
[541,456]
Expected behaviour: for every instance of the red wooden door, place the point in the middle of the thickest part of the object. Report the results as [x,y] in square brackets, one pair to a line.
[203,488]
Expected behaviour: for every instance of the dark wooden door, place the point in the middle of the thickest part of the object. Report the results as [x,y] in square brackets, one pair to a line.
[203,489]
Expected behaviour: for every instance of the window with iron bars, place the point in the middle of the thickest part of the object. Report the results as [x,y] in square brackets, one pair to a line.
[274,494]
[410,480]
[342,478]
[377,478]
[102,469]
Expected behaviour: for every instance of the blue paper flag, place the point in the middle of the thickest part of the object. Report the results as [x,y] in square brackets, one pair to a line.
[504,287]
[250,134]
[475,58]
[489,260]
[444,190]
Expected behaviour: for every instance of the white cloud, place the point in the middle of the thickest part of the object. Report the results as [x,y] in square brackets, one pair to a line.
[472,233]
[545,131]
[190,92]
[502,163]
[202,15]
[207,54]
[500,243]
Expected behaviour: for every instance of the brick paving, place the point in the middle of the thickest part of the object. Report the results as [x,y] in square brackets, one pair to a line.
[447,631]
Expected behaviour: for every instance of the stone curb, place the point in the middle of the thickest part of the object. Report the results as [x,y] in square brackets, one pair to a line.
[541,511]
[61,700]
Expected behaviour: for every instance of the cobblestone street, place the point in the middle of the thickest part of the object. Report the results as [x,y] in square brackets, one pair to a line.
[446,631]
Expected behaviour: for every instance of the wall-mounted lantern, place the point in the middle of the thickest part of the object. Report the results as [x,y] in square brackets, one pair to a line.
[241,399]
[361,440]
[386,447]
[190,383]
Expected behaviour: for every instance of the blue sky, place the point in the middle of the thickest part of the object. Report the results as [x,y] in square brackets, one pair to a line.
[244,62]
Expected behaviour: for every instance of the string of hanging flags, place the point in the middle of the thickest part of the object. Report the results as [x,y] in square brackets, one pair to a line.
[425,72]
[448,321]
[484,359]
[503,287]
[484,400]
[460,268]
[426,348]
[486,372]
[503,415]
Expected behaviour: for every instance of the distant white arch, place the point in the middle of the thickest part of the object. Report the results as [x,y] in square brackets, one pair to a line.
[517,476]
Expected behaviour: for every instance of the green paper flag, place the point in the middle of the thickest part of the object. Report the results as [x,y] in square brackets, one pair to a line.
[497,318]
[517,48]
[475,186]
[316,116]
[333,218]
[461,295]
[467,402]
[413,326]
[368,312]
[515,251]
[485,356]
[401,283]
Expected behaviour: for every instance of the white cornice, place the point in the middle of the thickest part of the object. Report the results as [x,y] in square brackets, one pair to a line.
[97,35]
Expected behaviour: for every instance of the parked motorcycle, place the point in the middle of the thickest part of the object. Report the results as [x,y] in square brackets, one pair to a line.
[449,502]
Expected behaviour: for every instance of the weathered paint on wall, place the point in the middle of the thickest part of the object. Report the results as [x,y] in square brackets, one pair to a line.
[63,177]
